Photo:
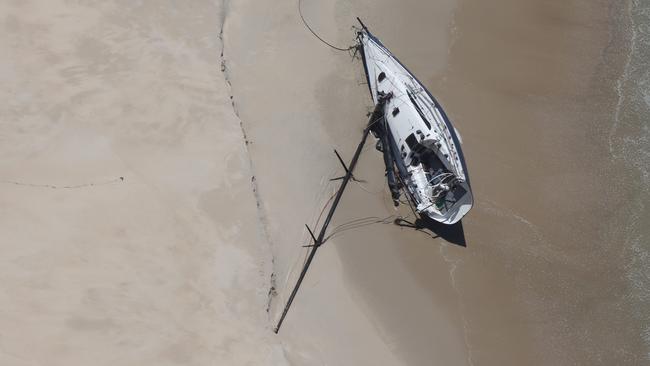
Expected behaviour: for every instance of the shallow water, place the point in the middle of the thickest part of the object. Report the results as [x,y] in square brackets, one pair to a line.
[629,144]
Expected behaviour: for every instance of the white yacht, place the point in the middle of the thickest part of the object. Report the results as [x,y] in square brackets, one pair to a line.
[421,147]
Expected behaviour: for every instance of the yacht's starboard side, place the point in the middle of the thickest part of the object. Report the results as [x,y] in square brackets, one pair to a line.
[424,145]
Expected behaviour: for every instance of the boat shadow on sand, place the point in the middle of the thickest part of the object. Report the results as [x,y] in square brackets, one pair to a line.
[453,234]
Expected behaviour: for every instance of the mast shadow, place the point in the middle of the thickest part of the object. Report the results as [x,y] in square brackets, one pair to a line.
[453,234]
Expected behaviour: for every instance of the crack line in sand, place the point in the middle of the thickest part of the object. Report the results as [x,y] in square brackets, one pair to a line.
[53,186]
[263,223]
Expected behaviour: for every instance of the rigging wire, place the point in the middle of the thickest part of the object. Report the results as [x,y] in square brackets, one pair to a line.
[359,223]
[316,34]
[293,267]
[327,203]
[397,220]
[317,222]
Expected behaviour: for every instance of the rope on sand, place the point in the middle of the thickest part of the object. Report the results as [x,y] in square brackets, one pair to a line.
[316,35]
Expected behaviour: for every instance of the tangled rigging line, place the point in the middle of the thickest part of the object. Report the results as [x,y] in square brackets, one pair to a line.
[302,17]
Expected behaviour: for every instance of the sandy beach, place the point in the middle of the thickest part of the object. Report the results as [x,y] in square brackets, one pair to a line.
[160,160]
[129,230]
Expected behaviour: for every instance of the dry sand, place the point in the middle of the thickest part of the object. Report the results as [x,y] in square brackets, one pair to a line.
[163,267]
[150,199]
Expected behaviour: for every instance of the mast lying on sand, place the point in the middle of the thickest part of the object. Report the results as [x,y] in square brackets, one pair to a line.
[376,117]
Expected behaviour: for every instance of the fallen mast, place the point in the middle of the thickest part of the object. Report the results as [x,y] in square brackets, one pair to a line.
[376,117]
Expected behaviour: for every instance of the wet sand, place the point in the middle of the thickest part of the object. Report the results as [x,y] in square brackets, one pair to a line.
[531,87]
[362,302]
[545,95]
[544,262]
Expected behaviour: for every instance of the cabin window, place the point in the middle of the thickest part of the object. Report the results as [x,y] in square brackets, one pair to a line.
[395,111]
[381,77]
[411,141]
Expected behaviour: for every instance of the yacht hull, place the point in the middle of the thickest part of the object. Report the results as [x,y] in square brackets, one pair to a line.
[424,145]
